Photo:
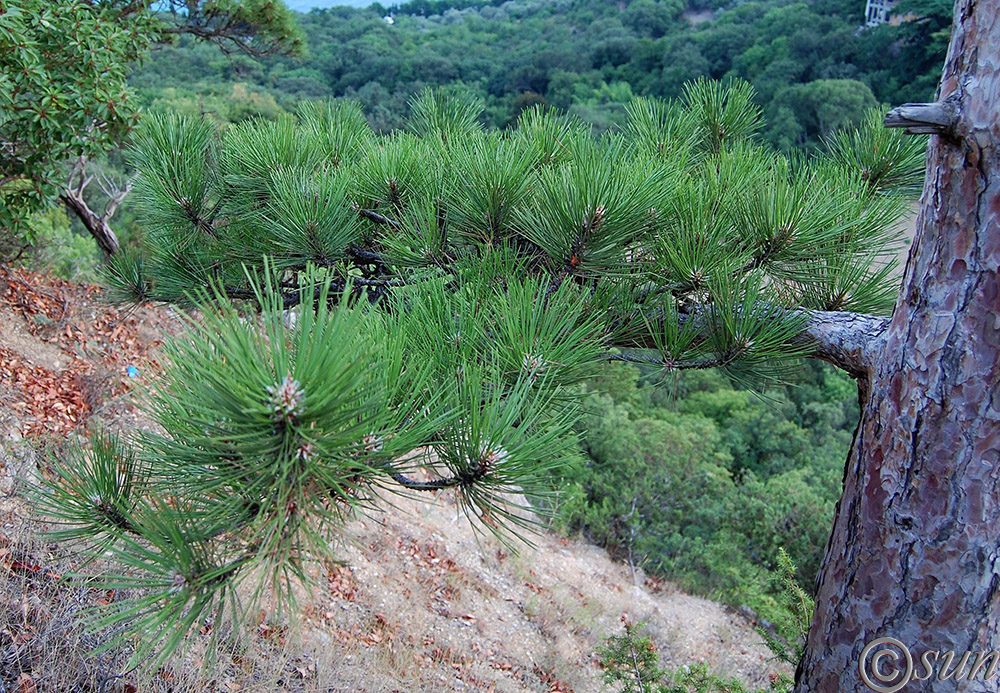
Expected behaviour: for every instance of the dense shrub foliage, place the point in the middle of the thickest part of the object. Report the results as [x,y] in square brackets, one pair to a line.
[703,483]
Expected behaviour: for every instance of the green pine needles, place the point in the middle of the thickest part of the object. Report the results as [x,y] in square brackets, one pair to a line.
[414,312]
[277,424]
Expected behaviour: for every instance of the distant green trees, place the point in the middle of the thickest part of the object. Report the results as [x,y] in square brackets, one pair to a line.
[691,479]
[813,69]
[905,59]
[814,111]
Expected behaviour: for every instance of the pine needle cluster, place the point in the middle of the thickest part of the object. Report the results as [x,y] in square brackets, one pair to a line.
[414,312]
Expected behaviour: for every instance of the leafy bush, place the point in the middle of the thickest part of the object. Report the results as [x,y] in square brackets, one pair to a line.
[58,250]
[708,485]
[630,662]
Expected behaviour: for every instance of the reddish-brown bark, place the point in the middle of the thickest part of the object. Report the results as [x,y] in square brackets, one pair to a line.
[915,549]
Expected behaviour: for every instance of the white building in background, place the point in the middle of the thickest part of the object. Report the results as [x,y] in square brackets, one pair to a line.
[877,12]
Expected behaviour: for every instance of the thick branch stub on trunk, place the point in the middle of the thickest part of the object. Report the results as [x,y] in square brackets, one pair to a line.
[938,118]
[849,341]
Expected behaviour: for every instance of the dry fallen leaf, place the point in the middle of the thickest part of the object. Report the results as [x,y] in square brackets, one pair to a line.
[26,684]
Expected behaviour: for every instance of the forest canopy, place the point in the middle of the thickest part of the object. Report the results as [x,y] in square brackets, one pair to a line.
[814,70]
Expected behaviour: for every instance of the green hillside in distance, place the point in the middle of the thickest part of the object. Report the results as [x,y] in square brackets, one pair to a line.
[813,69]
[306,5]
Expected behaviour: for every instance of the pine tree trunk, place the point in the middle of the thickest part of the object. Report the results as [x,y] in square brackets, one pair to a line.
[915,549]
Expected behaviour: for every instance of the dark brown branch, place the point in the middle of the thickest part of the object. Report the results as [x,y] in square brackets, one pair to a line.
[938,118]
[432,485]
[225,37]
[200,223]
[373,216]
[466,478]
[291,297]
[366,257]
[669,364]
[216,35]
